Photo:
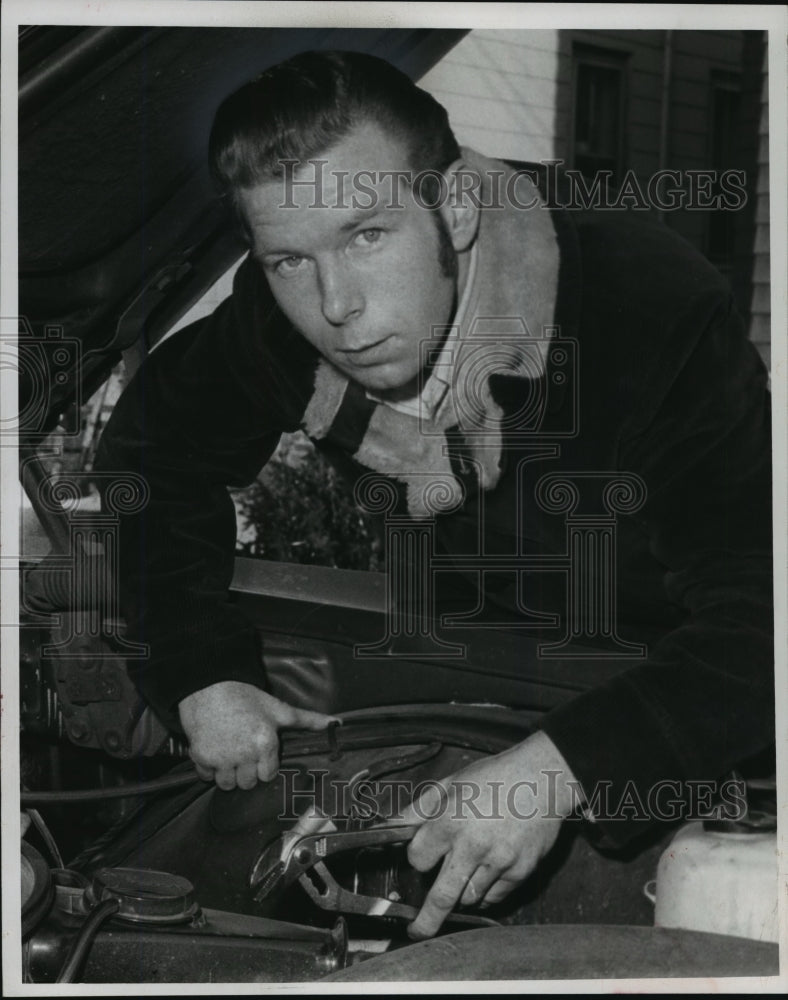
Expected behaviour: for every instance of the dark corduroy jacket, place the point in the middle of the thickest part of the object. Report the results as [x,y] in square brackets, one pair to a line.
[661,383]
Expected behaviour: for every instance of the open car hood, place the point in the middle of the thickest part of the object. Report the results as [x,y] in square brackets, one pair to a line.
[120,231]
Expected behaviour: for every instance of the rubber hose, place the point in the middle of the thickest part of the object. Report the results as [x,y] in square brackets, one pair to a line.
[84,939]
[165,783]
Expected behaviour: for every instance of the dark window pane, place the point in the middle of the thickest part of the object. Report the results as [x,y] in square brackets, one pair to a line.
[597,124]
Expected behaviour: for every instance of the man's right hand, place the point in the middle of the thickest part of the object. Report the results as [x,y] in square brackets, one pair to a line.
[233,732]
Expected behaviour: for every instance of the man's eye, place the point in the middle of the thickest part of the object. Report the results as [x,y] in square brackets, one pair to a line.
[288,264]
[368,236]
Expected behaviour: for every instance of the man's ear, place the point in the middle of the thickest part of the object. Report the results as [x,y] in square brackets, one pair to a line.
[460,210]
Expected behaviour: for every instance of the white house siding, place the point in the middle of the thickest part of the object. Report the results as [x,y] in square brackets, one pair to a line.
[501,91]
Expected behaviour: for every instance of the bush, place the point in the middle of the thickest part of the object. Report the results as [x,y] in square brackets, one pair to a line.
[299,510]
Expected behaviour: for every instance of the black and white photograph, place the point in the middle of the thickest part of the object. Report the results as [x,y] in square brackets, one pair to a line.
[393,443]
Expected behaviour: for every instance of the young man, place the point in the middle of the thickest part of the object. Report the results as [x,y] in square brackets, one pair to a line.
[381,258]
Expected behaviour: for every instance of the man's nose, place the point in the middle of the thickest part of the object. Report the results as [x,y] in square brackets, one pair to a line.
[341,296]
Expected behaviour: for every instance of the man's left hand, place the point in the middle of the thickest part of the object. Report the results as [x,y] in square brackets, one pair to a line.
[491,823]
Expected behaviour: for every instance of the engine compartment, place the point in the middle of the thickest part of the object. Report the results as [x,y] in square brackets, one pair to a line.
[161,862]
[206,841]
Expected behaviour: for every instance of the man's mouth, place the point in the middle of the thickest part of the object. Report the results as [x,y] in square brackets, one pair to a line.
[368,354]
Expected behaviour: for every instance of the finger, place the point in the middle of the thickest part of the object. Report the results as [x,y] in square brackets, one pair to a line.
[499,891]
[265,770]
[290,717]
[264,752]
[478,885]
[442,897]
[225,778]
[428,846]
[267,765]
[246,776]
[206,773]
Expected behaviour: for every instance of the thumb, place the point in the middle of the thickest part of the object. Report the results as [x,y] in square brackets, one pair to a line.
[290,717]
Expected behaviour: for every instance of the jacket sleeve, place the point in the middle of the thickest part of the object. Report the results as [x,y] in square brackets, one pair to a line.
[202,414]
[702,701]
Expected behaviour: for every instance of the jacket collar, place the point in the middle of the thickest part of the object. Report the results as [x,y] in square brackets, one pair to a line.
[510,312]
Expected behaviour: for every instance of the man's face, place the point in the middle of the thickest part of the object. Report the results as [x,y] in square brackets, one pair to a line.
[364,285]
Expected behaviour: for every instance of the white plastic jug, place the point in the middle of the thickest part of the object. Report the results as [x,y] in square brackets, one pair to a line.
[720,882]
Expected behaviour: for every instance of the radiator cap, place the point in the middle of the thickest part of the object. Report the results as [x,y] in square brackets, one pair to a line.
[145,896]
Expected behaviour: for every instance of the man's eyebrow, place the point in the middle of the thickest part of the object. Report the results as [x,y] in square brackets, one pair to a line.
[361,215]
[260,252]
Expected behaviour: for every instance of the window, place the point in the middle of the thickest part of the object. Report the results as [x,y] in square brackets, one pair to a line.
[598,118]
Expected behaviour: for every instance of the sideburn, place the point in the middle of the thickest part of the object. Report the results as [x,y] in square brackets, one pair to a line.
[447,255]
